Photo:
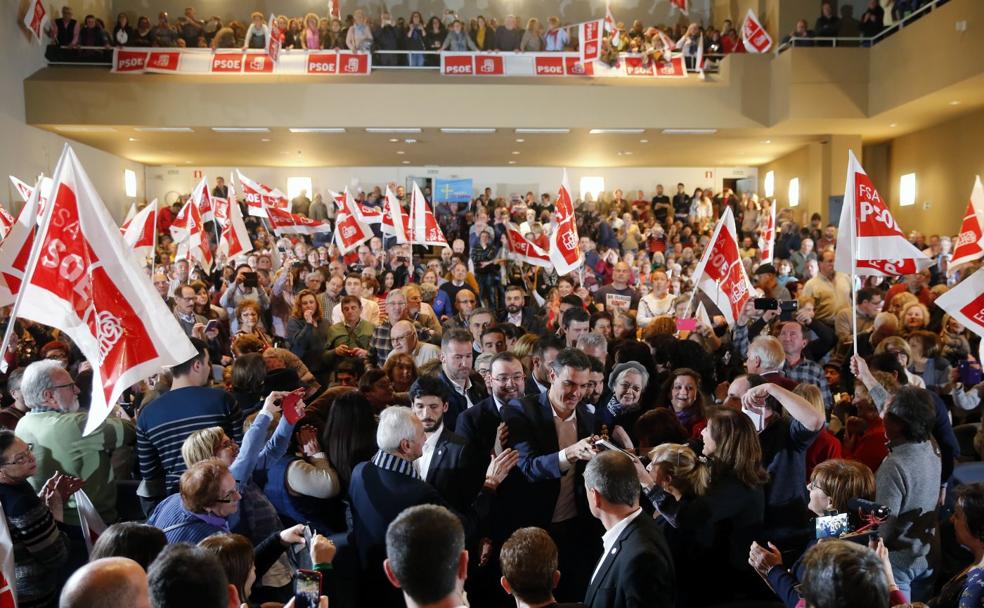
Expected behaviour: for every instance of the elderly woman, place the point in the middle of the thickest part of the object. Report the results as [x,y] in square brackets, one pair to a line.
[899,347]
[627,382]
[359,36]
[681,392]
[209,496]
[915,316]
[401,370]
[926,361]
[250,323]
[623,327]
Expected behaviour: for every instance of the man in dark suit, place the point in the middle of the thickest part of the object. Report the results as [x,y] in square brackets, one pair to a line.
[636,568]
[482,425]
[517,313]
[388,483]
[554,435]
[430,536]
[447,462]
[544,351]
[456,368]
[529,569]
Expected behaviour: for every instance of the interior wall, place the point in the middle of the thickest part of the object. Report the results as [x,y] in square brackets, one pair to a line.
[945,159]
[166,183]
[28,151]
[806,164]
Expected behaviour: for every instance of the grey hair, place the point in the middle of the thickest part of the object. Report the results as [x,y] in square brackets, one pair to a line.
[395,424]
[612,474]
[37,380]
[769,350]
[592,340]
[629,366]
[395,293]
[484,358]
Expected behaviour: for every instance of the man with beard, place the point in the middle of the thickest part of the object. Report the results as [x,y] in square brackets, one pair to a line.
[482,424]
[544,352]
[456,370]
[447,461]
[517,313]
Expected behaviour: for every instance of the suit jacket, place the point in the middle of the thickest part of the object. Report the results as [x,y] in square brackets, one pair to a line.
[531,323]
[531,388]
[457,403]
[533,434]
[637,571]
[453,470]
[478,425]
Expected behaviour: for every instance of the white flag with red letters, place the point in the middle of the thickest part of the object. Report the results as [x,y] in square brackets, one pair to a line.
[285,222]
[565,244]
[589,40]
[524,250]
[203,198]
[78,277]
[35,18]
[965,302]
[756,39]
[7,222]
[767,239]
[194,246]
[868,237]
[252,194]
[25,191]
[969,245]
[395,221]
[350,232]
[720,273]
[139,233]
[426,230]
[273,43]
[234,239]
[367,214]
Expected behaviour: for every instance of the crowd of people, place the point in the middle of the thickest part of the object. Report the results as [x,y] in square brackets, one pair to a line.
[425,425]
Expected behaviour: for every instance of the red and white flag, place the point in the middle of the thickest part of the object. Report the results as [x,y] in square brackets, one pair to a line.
[367,214]
[8,576]
[524,250]
[756,39]
[869,240]
[181,226]
[275,198]
[140,233]
[26,191]
[589,40]
[350,232]
[969,245]
[565,244]
[611,26]
[426,230]
[335,9]
[194,246]
[284,222]
[965,302]
[90,520]
[203,198]
[395,222]
[234,240]
[252,194]
[35,18]
[77,276]
[720,273]
[7,222]
[273,42]
[681,5]
[132,211]
[767,240]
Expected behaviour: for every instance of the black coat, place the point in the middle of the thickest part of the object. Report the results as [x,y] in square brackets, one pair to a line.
[478,426]
[454,470]
[457,404]
[637,571]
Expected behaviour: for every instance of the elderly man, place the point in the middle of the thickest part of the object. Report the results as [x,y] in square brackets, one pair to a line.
[54,427]
[110,582]
[464,303]
[191,322]
[380,344]
[422,314]
[403,338]
[331,296]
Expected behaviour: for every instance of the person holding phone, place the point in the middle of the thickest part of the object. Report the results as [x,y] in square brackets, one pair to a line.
[241,290]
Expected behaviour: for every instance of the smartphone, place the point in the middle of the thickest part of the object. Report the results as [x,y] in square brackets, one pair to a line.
[970,374]
[766,304]
[211,325]
[289,405]
[686,324]
[251,279]
[833,526]
[307,589]
[608,445]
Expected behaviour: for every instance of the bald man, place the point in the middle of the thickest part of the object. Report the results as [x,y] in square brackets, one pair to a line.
[403,337]
[111,582]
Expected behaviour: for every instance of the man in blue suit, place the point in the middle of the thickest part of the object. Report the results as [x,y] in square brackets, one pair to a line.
[555,435]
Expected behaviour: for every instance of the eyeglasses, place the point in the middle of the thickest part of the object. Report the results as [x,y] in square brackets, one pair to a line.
[230,497]
[21,458]
[58,386]
[502,379]
[401,337]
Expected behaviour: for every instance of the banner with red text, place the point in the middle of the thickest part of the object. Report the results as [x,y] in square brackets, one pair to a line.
[589,40]
[965,302]
[756,39]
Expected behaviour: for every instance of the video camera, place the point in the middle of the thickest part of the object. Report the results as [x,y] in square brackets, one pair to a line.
[842,525]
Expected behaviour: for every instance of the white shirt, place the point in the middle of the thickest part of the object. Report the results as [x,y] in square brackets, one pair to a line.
[516,319]
[566,428]
[370,311]
[610,537]
[423,463]
[462,390]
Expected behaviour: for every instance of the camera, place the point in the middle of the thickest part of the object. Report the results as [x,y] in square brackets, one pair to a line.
[787,308]
[867,516]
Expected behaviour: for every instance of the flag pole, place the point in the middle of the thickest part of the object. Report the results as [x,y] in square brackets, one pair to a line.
[854,281]
[32,260]
[153,253]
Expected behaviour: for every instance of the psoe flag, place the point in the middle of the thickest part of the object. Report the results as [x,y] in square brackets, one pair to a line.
[565,244]
[720,273]
[35,18]
[969,245]
[452,191]
[756,39]
[965,302]
[78,276]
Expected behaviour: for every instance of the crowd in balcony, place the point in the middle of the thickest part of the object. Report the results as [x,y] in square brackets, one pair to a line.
[877,16]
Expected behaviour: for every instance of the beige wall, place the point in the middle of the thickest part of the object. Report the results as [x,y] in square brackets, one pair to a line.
[945,159]
[28,151]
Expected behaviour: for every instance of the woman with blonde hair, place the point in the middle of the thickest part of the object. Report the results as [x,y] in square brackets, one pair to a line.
[523,348]
[915,316]
[258,33]
[898,302]
[826,446]
[532,41]
[677,470]
[310,37]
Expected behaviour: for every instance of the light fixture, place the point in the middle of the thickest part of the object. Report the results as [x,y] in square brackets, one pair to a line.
[392,130]
[133,139]
[512,162]
[400,152]
[794,192]
[410,140]
[893,125]
[316,130]
[85,129]
[542,131]
[689,131]
[593,186]
[457,131]
[164,129]
[955,102]
[515,152]
[241,129]
[766,141]
[643,141]
[393,140]
[907,190]
[520,140]
[616,131]
[130,182]
[296,184]
[769,184]
[406,162]
[265,139]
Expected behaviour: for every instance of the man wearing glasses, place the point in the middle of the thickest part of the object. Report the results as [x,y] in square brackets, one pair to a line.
[54,426]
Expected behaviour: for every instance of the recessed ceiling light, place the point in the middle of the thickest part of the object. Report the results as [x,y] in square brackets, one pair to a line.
[955,102]
[542,131]
[766,141]
[893,125]
[392,130]
[520,140]
[616,131]
[187,162]
[85,129]
[241,129]
[643,141]
[406,162]
[393,140]
[512,162]
[457,131]
[400,152]
[410,141]
[164,129]
[689,131]
[134,139]
[265,139]
[317,130]
[624,153]
[515,152]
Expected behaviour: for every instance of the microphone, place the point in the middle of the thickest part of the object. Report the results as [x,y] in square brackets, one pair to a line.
[869,507]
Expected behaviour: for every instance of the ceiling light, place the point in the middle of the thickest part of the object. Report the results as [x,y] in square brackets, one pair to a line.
[316,130]
[85,129]
[643,141]
[520,140]
[410,141]
[393,140]
[400,152]
[766,141]
[515,152]
[955,102]
[893,125]
[512,162]
[406,162]
[456,131]
[392,130]
[133,139]
[241,129]
[689,131]
[187,162]
[164,129]
[542,131]
[616,131]
[265,139]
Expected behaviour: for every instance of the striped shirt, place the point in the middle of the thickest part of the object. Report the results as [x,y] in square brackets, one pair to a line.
[168,420]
